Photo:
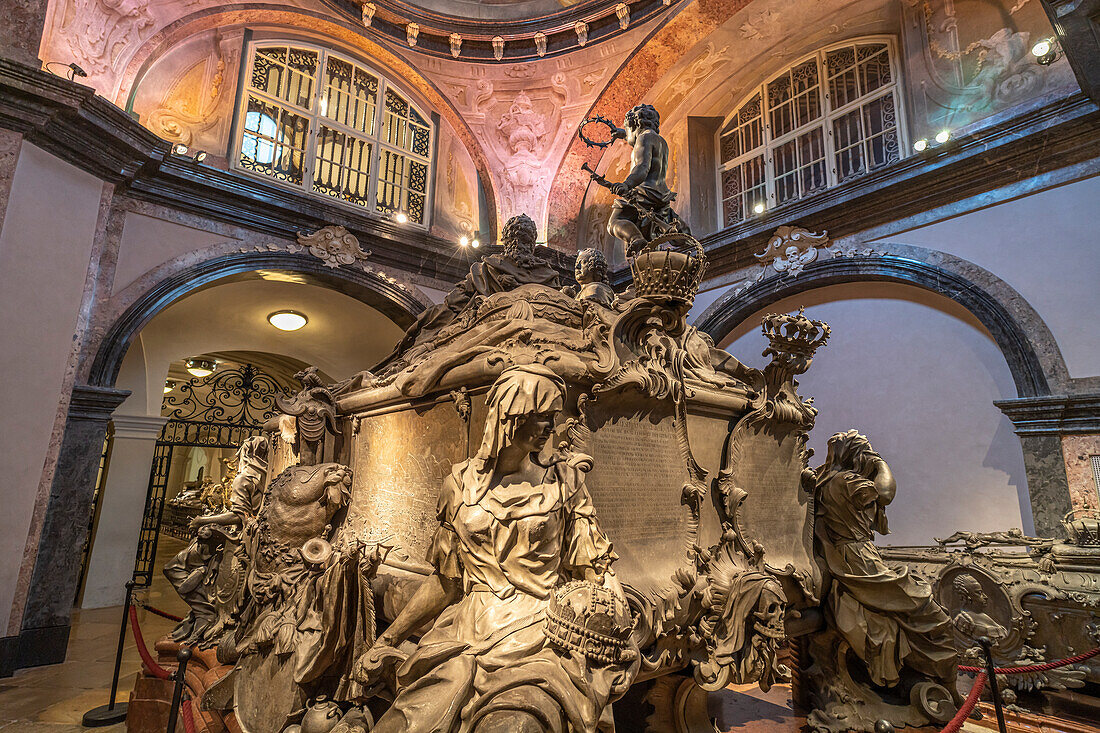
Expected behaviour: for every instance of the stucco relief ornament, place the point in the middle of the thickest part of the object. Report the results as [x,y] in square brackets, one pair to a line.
[581,29]
[101,28]
[622,12]
[790,249]
[540,44]
[412,30]
[498,48]
[334,245]
[456,44]
[369,9]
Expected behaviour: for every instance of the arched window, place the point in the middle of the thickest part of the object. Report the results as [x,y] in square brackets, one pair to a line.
[828,118]
[315,120]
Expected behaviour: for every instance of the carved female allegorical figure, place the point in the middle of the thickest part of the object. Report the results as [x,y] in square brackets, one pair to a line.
[890,620]
[515,523]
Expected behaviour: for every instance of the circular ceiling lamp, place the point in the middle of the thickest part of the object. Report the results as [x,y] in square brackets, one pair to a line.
[200,367]
[287,320]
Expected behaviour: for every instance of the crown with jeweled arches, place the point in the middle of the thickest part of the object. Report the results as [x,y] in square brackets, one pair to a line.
[668,274]
[590,619]
[794,335]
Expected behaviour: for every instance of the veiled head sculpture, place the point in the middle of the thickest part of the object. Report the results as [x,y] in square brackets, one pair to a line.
[521,407]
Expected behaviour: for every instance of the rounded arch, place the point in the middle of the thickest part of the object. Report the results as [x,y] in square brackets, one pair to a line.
[344,33]
[1023,338]
[398,304]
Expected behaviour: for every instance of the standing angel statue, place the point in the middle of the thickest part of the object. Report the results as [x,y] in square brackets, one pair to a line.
[530,628]
[643,208]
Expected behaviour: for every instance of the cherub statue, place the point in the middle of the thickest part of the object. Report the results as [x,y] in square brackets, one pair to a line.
[591,274]
[643,209]
[515,522]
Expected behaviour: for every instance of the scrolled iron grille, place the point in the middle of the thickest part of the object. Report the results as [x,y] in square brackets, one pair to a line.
[244,396]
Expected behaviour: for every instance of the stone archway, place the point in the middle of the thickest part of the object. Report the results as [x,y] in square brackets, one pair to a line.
[399,305]
[1028,346]
[1033,357]
[54,571]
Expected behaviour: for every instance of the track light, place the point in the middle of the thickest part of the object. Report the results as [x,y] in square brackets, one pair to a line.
[180,149]
[921,145]
[475,244]
[200,156]
[943,136]
[200,367]
[463,241]
[401,217]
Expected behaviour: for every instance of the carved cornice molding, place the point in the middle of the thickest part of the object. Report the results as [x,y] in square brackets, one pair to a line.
[138,427]
[1058,134]
[557,31]
[1053,414]
[70,121]
[95,403]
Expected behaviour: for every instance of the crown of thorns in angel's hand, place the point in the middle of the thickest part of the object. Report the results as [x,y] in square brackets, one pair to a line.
[598,119]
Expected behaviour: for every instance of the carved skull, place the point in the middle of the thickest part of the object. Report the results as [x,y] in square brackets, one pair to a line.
[768,616]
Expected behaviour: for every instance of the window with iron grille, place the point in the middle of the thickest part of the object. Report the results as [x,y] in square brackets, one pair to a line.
[830,117]
[318,121]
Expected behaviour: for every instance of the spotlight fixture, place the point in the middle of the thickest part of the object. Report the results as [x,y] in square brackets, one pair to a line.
[287,320]
[475,244]
[401,217]
[943,136]
[758,208]
[920,145]
[179,149]
[463,241]
[169,385]
[1045,51]
[71,70]
[200,156]
[200,367]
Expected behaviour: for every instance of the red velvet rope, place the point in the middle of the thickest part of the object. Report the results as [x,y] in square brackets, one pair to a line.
[146,658]
[158,612]
[1037,667]
[967,706]
[188,716]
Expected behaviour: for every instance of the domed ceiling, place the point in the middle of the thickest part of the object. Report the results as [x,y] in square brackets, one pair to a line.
[499,30]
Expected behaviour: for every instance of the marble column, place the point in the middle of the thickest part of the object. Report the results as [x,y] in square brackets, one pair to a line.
[44,632]
[21,31]
[122,506]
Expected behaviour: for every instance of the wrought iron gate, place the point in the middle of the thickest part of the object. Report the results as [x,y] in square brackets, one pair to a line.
[218,411]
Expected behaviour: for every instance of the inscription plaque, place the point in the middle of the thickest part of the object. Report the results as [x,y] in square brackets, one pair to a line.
[776,511]
[400,459]
[636,483]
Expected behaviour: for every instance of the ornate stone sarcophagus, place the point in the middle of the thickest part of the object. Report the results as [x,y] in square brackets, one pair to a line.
[546,495]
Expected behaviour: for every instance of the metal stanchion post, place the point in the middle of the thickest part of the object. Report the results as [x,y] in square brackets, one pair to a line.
[182,657]
[113,712]
[994,690]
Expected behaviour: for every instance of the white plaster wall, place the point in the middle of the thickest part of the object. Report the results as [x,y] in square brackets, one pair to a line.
[1047,247]
[45,247]
[148,242]
[917,375]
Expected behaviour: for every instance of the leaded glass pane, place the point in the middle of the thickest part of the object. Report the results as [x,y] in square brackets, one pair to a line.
[391,176]
[729,145]
[286,73]
[274,141]
[880,128]
[843,84]
[848,139]
[350,95]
